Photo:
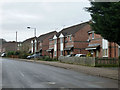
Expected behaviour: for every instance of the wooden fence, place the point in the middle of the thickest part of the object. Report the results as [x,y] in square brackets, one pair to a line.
[107,62]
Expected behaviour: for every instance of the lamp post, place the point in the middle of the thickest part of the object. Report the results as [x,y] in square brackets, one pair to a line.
[35,37]
[34,30]
[35,42]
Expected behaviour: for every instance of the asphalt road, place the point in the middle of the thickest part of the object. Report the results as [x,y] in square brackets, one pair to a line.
[20,74]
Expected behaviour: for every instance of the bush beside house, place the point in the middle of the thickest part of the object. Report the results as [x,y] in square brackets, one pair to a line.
[17,54]
[47,58]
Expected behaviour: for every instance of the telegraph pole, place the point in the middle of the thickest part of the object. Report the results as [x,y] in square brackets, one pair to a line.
[16,36]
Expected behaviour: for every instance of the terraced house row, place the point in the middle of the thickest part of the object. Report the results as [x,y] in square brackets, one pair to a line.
[77,39]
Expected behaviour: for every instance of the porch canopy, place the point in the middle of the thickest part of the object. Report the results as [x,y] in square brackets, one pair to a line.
[92,46]
[68,48]
[50,50]
[40,49]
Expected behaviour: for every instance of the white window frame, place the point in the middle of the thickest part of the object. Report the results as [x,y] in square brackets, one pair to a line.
[93,35]
[55,41]
[106,54]
[70,38]
[104,47]
[61,40]
[118,51]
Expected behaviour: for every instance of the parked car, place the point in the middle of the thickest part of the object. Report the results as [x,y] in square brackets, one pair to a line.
[34,56]
[3,54]
[68,56]
[71,55]
[80,55]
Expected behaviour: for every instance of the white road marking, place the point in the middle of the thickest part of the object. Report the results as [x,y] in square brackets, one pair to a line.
[51,83]
[22,74]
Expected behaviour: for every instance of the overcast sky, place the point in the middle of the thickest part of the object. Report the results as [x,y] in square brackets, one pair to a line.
[44,16]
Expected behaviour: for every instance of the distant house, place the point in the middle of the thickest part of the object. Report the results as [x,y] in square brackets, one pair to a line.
[43,43]
[6,46]
[100,47]
[2,41]
[9,46]
[71,40]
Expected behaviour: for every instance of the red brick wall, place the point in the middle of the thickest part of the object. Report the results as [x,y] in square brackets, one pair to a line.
[10,46]
[51,44]
[45,45]
[80,40]
[112,47]
[113,50]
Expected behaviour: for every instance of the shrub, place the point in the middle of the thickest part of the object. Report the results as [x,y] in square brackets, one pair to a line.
[23,55]
[47,58]
[10,53]
[89,55]
[55,59]
[17,53]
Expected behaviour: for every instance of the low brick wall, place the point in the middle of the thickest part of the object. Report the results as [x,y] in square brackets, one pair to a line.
[89,61]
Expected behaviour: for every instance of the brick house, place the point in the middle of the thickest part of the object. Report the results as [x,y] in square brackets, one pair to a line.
[71,40]
[9,46]
[43,43]
[2,41]
[6,46]
[99,47]
[30,45]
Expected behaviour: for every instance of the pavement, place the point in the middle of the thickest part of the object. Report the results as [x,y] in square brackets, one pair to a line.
[111,73]
[30,74]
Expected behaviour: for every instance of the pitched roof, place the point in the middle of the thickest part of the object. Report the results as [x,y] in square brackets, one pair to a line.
[44,36]
[72,30]
[29,39]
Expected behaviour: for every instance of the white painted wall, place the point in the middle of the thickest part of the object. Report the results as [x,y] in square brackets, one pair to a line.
[32,46]
[105,47]
[104,44]
[35,45]
[61,43]
[61,46]
[55,48]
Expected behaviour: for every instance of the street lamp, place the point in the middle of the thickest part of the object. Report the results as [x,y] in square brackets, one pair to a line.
[35,37]
[34,30]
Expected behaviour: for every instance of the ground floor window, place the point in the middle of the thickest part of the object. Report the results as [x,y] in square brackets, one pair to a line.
[105,52]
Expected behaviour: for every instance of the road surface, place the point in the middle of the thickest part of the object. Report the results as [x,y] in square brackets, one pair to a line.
[20,74]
